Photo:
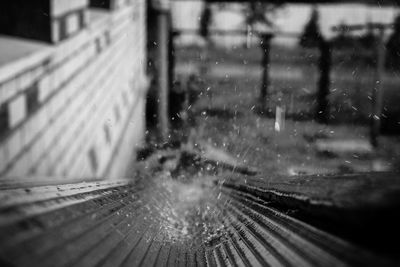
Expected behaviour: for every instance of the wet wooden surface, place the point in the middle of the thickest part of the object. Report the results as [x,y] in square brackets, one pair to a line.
[346,191]
[359,207]
[160,221]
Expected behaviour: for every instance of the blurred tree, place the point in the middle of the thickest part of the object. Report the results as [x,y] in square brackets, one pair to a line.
[311,36]
[325,65]
[259,16]
[205,22]
[393,48]
[259,12]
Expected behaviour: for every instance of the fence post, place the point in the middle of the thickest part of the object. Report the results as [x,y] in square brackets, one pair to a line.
[377,92]
[266,48]
[325,64]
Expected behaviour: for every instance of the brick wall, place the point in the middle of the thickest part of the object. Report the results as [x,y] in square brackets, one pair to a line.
[75,109]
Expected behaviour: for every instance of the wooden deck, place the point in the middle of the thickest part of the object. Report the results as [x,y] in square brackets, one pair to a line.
[158,221]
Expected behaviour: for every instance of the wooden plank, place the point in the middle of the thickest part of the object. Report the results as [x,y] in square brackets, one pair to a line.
[347,191]
[168,222]
[360,207]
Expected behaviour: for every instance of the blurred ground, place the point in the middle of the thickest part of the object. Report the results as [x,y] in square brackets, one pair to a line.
[225,116]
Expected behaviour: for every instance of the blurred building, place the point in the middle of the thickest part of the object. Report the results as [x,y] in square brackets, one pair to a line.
[72,87]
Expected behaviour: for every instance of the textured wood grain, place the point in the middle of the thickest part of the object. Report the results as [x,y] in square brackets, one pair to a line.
[163,222]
